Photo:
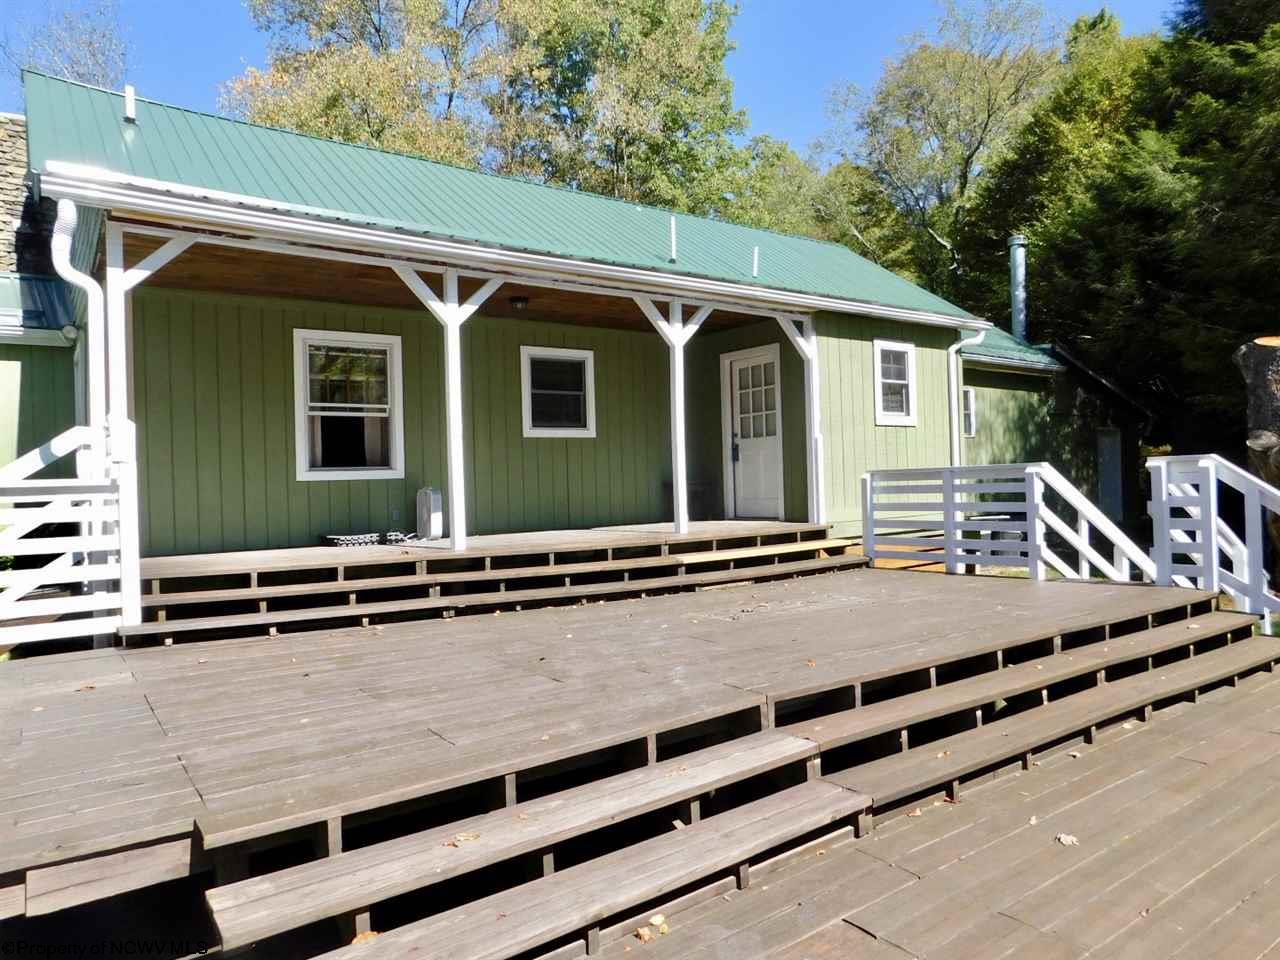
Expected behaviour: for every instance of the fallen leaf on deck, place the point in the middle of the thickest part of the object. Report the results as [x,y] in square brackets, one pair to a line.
[86,688]
[644,934]
[460,838]
[364,937]
[1033,821]
[811,663]
[657,920]
[944,753]
[1067,840]
[522,816]
[917,812]
[1074,754]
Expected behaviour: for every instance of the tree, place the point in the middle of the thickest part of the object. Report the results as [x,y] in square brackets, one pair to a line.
[940,110]
[628,98]
[634,99]
[405,75]
[1046,169]
[81,41]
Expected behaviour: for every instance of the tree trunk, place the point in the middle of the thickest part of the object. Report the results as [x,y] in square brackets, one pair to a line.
[1259,364]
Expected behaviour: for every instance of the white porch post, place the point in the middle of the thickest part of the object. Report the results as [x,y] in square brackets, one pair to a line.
[121,435]
[800,331]
[452,315]
[676,332]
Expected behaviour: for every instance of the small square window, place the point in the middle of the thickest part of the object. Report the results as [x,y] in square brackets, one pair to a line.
[558,388]
[969,413]
[347,406]
[895,383]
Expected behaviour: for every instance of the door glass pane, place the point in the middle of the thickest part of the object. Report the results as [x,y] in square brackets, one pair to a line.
[768,374]
[744,428]
[770,399]
[744,378]
[771,424]
[757,375]
[757,425]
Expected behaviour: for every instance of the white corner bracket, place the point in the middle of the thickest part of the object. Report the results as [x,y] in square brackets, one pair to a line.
[676,332]
[800,331]
[451,314]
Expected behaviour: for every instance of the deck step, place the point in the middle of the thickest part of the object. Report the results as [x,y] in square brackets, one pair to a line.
[849,726]
[508,599]
[537,913]
[167,601]
[949,759]
[260,907]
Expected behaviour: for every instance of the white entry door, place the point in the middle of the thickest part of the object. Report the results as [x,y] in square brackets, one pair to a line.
[752,411]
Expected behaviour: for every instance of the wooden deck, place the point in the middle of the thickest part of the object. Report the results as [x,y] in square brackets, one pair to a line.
[124,769]
[1176,853]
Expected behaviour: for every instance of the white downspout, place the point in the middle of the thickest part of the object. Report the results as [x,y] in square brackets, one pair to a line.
[94,341]
[953,378]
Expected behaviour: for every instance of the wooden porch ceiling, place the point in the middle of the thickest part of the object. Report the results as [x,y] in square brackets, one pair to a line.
[220,269]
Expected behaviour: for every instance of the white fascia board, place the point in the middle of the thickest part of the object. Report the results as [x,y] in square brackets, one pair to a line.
[260,217]
[31,336]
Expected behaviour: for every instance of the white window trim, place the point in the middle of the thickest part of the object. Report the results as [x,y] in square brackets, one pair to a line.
[395,393]
[528,353]
[970,394]
[885,418]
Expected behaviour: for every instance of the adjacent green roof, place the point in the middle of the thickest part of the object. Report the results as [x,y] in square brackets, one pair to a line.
[74,123]
[34,301]
[1000,346]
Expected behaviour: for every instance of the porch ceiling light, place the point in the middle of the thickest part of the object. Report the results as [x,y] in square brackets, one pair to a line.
[519,303]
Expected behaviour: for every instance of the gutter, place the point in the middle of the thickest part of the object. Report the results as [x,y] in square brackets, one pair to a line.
[1021,366]
[112,191]
[953,383]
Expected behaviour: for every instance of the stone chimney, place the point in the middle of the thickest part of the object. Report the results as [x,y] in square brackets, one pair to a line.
[25,226]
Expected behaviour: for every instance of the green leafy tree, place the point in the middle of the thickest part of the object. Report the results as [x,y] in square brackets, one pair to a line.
[940,111]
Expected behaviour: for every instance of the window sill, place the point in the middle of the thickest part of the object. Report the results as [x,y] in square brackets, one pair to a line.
[888,420]
[347,474]
[566,433]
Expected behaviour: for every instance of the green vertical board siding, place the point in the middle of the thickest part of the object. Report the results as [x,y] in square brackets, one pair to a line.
[852,443]
[703,403]
[1023,419]
[213,397]
[546,483]
[39,401]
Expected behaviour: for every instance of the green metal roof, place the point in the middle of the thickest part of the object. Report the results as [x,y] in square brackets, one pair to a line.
[1000,346]
[74,123]
[34,301]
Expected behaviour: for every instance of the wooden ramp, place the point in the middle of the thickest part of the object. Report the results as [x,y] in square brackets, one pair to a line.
[546,781]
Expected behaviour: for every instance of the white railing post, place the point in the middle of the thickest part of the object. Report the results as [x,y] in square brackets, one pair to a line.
[949,533]
[1082,531]
[124,470]
[1035,523]
[868,519]
[1255,570]
[1158,508]
[1209,525]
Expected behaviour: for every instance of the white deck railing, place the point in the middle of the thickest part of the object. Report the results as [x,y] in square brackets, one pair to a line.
[64,540]
[995,516]
[1195,546]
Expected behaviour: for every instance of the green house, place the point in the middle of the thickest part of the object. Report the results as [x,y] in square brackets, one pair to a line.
[289,338]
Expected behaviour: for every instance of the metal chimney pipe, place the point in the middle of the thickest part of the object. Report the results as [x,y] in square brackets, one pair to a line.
[1018,284]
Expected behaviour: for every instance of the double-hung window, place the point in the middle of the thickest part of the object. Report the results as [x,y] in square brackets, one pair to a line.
[348,405]
[558,390]
[895,383]
[969,412]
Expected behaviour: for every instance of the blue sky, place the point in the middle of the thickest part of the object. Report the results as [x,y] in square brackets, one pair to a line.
[790,52]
